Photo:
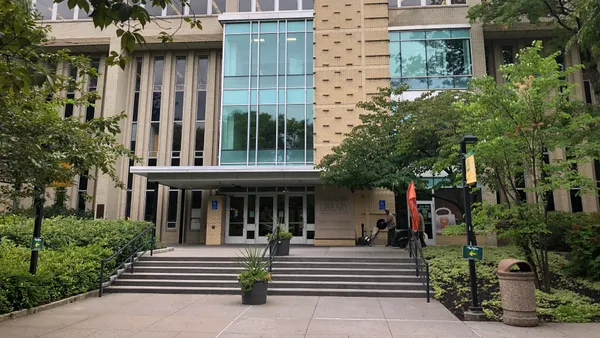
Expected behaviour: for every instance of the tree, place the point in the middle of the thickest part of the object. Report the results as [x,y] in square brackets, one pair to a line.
[37,146]
[397,142]
[576,22]
[129,19]
[517,122]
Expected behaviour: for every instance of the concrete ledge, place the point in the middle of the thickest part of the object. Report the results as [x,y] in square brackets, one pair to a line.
[26,312]
[335,242]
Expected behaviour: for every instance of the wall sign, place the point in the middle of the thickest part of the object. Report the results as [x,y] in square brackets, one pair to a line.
[215,205]
[381,204]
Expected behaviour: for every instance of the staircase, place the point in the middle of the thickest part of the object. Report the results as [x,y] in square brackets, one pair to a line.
[292,276]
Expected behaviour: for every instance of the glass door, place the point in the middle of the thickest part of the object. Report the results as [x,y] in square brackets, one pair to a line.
[266,216]
[235,220]
[296,218]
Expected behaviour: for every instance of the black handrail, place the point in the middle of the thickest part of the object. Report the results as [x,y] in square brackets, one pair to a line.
[273,249]
[130,258]
[416,252]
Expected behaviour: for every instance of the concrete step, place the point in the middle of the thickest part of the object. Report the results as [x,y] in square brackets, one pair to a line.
[402,258]
[276,276]
[281,264]
[396,271]
[272,291]
[316,284]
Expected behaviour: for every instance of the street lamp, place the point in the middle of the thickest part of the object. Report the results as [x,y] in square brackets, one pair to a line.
[475,311]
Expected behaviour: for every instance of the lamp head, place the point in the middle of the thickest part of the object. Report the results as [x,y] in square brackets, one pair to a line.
[468,139]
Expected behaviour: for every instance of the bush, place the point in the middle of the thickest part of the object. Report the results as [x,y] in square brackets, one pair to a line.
[61,232]
[559,224]
[60,274]
[70,262]
[584,239]
[450,283]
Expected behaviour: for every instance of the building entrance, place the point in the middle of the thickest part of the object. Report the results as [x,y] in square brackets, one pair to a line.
[251,216]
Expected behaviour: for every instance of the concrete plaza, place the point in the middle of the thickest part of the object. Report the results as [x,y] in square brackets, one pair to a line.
[199,316]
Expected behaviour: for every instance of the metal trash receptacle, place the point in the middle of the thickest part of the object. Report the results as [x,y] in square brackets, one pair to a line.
[517,292]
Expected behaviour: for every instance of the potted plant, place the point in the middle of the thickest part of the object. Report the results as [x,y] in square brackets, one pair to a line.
[254,278]
[284,237]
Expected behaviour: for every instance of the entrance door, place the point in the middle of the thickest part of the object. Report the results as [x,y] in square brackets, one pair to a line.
[296,218]
[266,216]
[235,220]
[426,209]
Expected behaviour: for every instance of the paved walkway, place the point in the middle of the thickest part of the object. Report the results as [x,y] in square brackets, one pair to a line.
[199,316]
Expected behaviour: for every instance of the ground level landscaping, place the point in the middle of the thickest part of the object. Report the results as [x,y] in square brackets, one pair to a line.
[70,261]
[573,300]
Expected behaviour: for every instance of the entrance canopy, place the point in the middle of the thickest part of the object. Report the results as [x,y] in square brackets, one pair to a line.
[229,176]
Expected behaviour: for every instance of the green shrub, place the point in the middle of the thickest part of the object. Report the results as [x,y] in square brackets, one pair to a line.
[572,300]
[559,224]
[61,232]
[61,274]
[584,239]
[566,306]
[70,262]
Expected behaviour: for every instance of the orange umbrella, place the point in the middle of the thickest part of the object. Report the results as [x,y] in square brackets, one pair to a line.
[411,200]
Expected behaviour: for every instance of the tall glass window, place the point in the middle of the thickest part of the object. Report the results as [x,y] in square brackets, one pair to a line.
[413,3]
[267,116]
[155,112]
[436,59]
[134,121]
[178,111]
[70,106]
[200,110]
[92,87]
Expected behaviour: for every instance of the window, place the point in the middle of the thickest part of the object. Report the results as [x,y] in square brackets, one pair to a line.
[172,209]
[82,188]
[434,59]
[92,87]
[412,3]
[200,110]
[550,196]
[508,55]
[70,106]
[151,195]
[219,6]
[155,110]
[597,174]
[274,5]
[178,110]
[267,114]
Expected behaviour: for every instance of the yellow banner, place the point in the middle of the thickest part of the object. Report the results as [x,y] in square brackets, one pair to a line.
[471,172]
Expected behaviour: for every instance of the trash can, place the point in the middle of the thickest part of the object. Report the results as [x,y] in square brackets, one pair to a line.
[517,291]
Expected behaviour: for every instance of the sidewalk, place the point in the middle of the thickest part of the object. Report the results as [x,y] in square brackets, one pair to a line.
[199,316]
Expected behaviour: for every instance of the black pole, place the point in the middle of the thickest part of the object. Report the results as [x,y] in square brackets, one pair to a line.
[474,307]
[38,201]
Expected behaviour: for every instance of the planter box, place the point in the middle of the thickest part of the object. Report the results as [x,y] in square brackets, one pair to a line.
[256,296]
[283,249]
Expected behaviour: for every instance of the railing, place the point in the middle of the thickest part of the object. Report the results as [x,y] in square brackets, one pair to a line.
[273,248]
[421,264]
[130,258]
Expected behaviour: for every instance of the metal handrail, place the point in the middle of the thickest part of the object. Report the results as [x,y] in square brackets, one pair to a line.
[130,258]
[416,252]
[273,249]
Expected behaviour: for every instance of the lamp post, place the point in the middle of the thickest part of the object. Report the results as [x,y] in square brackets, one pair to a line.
[475,311]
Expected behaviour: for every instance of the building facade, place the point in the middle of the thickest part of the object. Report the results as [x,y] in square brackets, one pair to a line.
[230,120]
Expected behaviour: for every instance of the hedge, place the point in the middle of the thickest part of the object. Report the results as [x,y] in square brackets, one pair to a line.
[572,299]
[70,262]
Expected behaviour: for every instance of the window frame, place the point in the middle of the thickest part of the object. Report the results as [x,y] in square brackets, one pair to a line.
[425,30]
[424,4]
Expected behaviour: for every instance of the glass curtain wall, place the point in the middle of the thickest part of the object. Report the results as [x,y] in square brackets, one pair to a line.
[267,114]
[436,59]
